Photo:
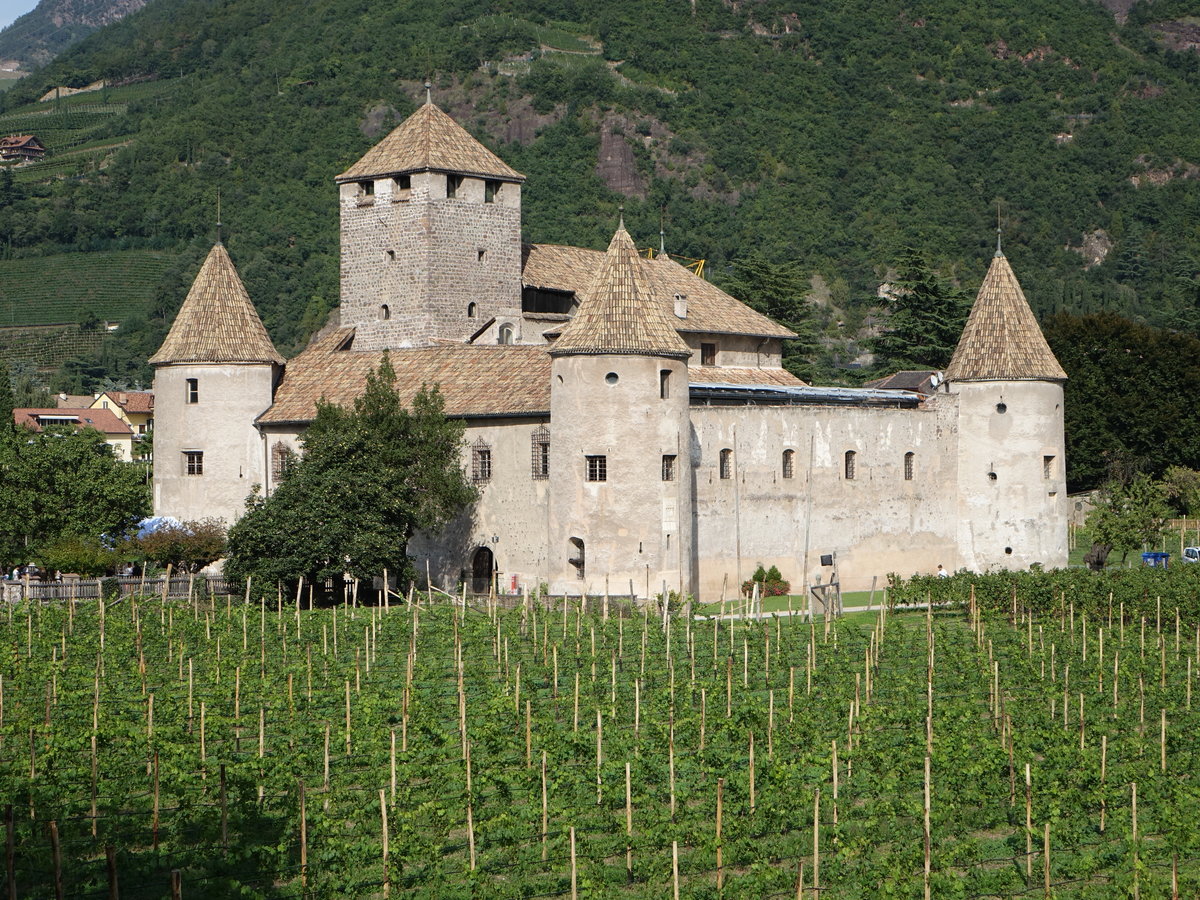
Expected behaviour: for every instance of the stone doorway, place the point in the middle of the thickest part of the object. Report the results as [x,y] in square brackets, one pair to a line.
[482,566]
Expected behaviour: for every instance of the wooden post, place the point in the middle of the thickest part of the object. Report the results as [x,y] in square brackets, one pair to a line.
[720,848]
[926,823]
[545,815]
[1028,825]
[1103,768]
[675,869]
[303,836]
[387,881]
[1162,742]
[1046,861]
[574,876]
[751,774]
[1134,836]
[154,824]
[817,844]
[56,858]
[629,828]
[114,889]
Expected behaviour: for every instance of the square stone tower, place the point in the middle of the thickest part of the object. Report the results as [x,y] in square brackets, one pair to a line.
[431,239]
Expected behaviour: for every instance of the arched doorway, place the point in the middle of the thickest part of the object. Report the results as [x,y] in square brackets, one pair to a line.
[482,565]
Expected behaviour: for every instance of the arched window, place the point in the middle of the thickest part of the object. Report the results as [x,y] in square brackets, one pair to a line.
[481,461]
[850,459]
[908,465]
[472,310]
[483,565]
[577,559]
[506,335]
[539,445]
[726,463]
[385,312]
[789,463]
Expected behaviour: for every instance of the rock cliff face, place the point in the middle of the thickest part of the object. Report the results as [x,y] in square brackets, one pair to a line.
[53,25]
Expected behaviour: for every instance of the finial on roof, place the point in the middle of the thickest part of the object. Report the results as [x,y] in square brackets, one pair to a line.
[999,251]
[662,242]
[428,92]
[621,214]
[218,215]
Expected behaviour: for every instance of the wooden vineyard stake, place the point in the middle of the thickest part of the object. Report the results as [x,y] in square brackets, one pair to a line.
[95,766]
[574,876]
[545,807]
[347,716]
[800,880]
[154,825]
[629,825]
[387,881]
[1134,841]
[326,769]
[393,765]
[1162,742]
[56,858]
[926,827]
[110,858]
[720,848]
[816,886]
[671,767]
[224,811]
[303,835]
[704,711]
[600,756]
[1046,861]
[834,767]
[675,869]
[1103,769]
[751,776]
[1028,824]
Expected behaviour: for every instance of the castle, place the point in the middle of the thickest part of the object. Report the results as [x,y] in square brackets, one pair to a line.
[629,425]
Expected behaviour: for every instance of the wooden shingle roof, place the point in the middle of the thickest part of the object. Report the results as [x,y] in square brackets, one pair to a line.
[709,309]
[619,312]
[1001,340]
[217,322]
[429,140]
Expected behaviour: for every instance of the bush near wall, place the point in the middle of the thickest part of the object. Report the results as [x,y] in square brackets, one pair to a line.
[1144,591]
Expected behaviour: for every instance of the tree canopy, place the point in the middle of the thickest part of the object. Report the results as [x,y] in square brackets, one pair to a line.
[778,291]
[370,477]
[924,318]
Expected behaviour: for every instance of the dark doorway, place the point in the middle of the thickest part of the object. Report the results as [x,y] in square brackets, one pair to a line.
[481,571]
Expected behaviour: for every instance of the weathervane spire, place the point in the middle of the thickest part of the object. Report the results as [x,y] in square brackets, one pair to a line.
[999,250]
[621,213]
[218,215]
[428,91]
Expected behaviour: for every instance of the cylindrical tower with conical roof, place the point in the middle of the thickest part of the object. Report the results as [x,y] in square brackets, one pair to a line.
[1012,500]
[213,375]
[621,505]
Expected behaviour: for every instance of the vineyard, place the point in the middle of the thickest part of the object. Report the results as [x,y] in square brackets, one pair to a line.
[61,289]
[218,748]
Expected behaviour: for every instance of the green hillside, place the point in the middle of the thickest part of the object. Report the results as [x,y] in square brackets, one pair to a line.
[828,136]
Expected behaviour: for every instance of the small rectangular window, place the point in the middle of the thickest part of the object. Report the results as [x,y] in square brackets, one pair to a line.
[850,464]
[726,463]
[453,183]
[1047,466]
[540,448]
[401,187]
[789,463]
[664,384]
[481,461]
[708,354]
[597,468]
[480,255]
[908,466]
[490,190]
[193,461]
[668,467]
[193,390]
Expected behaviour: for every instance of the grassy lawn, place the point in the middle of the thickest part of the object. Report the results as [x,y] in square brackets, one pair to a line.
[795,602]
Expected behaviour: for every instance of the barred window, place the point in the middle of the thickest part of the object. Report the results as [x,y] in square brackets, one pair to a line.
[789,463]
[850,460]
[539,446]
[726,463]
[481,461]
[193,461]
[597,468]
[668,467]
[283,459]
[908,466]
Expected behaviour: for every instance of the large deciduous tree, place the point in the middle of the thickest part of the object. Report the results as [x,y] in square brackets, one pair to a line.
[1130,516]
[925,317]
[63,484]
[370,477]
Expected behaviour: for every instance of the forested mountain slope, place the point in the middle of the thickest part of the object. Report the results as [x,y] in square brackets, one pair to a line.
[53,25]
[829,135]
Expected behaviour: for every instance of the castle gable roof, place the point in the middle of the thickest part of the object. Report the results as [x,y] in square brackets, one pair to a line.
[430,140]
[709,309]
[1001,340]
[217,322]
[619,313]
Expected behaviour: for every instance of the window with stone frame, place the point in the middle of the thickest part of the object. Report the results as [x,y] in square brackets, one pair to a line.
[539,448]
[491,190]
[192,391]
[283,461]
[193,462]
[789,463]
[481,461]
[453,183]
[726,465]
[597,468]
[708,354]
[850,464]
[668,467]
[909,465]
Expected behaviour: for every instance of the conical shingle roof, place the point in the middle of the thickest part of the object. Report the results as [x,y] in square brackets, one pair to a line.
[217,322]
[430,140]
[1001,340]
[619,314]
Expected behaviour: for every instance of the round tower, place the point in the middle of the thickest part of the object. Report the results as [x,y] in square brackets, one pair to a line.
[621,505]
[1012,501]
[213,376]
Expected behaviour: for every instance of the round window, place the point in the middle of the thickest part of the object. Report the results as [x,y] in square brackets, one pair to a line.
[611,378]
[1002,408]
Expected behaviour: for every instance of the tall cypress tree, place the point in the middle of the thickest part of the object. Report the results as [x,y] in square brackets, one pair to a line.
[925,317]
